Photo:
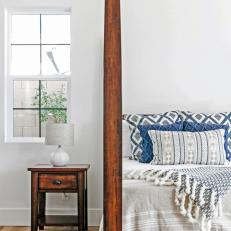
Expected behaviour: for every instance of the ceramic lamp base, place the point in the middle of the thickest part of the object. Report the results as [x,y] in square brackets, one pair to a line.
[59,158]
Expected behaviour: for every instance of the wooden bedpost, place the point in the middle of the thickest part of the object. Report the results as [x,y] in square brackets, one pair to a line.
[112,118]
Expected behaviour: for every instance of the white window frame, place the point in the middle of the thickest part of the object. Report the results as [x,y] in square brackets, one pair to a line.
[9,79]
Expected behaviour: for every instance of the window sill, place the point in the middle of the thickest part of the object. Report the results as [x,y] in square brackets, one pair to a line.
[36,140]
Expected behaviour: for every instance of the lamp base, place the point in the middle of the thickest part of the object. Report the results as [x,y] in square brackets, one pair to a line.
[59,158]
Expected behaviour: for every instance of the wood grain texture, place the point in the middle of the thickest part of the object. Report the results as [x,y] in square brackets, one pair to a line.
[34,201]
[81,210]
[57,181]
[46,229]
[43,181]
[58,220]
[50,168]
[112,118]
[42,208]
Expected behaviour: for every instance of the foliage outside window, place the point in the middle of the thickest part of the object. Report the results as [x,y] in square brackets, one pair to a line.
[35,102]
[56,100]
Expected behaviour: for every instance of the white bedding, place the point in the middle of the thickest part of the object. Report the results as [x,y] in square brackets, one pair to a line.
[147,207]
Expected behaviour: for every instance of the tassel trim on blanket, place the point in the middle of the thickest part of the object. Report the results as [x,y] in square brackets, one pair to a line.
[189,194]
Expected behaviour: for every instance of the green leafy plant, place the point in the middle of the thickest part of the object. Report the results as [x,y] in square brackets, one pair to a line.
[54,101]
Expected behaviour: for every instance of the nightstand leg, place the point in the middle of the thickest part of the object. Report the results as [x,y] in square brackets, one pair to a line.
[81,195]
[86,206]
[34,201]
[42,208]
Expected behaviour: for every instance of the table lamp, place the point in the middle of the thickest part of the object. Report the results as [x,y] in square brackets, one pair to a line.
[59,134]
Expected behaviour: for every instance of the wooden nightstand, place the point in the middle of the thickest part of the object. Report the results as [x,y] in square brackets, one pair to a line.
[48,179]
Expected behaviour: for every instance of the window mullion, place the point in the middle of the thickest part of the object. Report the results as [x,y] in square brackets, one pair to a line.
[40,129]
[40,44]
[41,77]
[40,88]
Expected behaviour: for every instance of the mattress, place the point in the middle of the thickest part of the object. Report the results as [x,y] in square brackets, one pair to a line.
[148,207]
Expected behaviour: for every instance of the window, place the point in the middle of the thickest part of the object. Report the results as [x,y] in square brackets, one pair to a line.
[38,73]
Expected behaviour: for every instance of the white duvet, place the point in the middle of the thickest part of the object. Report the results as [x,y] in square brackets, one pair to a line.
[147,207]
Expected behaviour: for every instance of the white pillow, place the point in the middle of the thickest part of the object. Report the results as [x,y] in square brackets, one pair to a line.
[126,144]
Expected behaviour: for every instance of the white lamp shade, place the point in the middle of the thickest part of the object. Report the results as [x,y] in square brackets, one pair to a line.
[59,134]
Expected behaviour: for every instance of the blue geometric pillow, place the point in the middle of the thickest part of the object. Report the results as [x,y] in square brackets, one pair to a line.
[216,118]
[135,120]
[146,144]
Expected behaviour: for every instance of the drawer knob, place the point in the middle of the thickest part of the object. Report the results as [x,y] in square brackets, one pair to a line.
[57,182]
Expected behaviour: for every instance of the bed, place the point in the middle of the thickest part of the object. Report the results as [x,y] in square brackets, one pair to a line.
[145,206]
[148,207]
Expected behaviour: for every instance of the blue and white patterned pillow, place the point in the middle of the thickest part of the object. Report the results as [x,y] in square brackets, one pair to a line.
[146,143]
[135,120]
[200,127]
[181,147]
[215,118]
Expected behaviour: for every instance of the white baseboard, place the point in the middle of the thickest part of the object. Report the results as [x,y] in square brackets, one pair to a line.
[21,216]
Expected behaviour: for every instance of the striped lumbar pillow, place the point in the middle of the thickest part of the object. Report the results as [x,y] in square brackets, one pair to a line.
[222,118]
[180,147]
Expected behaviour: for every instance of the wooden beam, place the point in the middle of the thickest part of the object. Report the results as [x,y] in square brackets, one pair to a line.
[112,118]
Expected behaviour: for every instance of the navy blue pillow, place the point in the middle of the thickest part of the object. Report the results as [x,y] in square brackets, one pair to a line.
[146,143]
[200,127]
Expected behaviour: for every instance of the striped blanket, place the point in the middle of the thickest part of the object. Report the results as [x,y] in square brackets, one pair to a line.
[198,191]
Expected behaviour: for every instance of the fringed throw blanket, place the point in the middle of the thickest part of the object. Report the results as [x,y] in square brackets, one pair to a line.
[198,190]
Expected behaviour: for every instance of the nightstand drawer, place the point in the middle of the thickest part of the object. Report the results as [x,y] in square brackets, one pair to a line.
[58,181]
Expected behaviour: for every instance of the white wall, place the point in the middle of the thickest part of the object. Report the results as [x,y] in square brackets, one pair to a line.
[176,55]
[86,112]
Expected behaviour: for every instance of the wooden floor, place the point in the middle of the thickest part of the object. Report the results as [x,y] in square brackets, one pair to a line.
[46,229]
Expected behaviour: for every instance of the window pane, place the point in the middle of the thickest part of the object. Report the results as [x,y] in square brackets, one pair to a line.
[25,29]
[54,94]
[50,96]
[55,29]
[26,94]
[25,60]
[26,123]
[55,60]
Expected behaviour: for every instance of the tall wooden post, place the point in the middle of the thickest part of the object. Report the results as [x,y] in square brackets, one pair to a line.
[112,118]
